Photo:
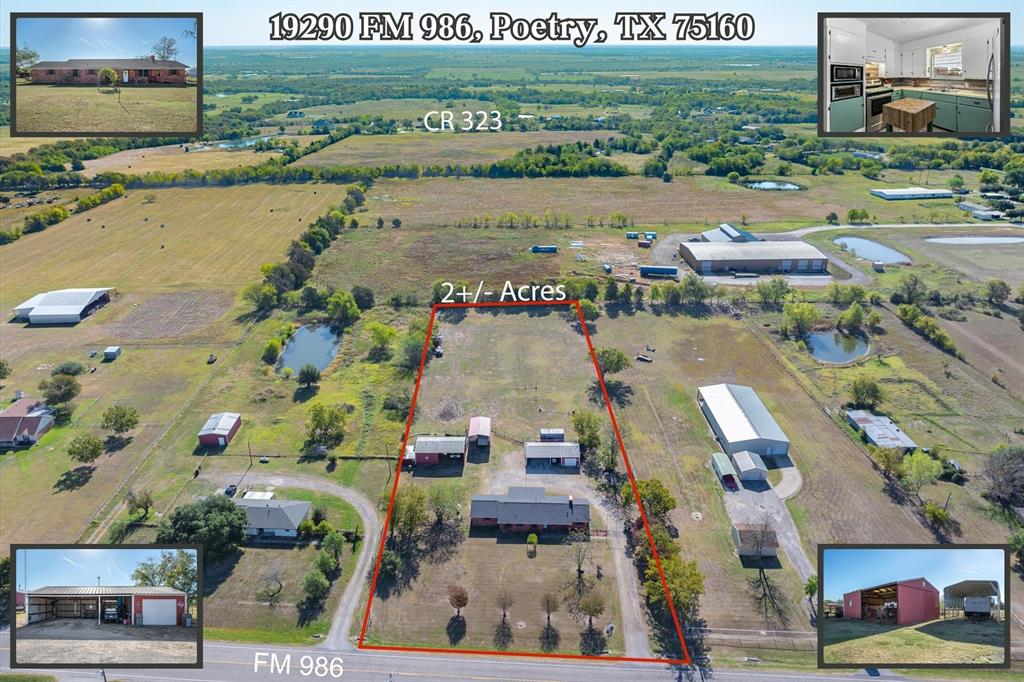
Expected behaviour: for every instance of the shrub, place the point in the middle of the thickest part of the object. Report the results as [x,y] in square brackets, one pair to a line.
[103,196]
[69,368]
[271,351]
[37,222]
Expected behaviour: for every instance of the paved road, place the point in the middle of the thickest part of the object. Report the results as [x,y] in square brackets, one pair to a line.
[235,663]
[338,638]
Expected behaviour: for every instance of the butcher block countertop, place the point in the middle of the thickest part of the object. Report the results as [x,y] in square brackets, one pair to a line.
[911,115]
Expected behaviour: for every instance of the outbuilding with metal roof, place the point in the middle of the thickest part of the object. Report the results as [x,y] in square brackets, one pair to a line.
[786,257]
[126,604]
[740,420]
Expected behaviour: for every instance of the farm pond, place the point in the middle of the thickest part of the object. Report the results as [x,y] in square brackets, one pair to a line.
[836,347]
[869,250]
[315,346]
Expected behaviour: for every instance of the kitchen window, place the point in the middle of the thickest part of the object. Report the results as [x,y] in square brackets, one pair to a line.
[946,61]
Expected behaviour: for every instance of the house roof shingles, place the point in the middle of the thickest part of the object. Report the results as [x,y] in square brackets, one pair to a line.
[530,506]
[748,535]
[112,63]
[25,416]
[277,514]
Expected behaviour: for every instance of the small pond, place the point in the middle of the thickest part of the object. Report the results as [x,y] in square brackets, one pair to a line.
[869,250]
[315,346]
[772,186]
[975,240]
[836,347]
[246,142]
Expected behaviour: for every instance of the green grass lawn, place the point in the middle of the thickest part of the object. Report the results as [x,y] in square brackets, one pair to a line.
[88,109]
[937,641]
[25,677]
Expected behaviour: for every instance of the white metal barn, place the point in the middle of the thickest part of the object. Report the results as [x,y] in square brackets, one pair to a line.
[740,420]
[749,466]
[65,306]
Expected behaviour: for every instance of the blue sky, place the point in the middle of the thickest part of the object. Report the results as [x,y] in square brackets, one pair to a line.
[779,22]
[846,570]
[78,566]
[57,39]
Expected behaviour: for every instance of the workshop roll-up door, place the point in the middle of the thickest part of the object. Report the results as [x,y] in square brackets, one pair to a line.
[159,612]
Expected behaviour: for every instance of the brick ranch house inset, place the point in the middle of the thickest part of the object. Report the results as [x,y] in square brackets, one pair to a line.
[148,71]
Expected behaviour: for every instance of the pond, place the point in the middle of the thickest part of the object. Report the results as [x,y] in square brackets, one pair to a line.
[975,240]
[836,347]
[772,186]
[246,142]
[315,346]
[869,250]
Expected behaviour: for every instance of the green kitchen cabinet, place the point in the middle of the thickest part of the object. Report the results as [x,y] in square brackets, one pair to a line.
[972,119]
[945,114]
[847,115]
[897,94]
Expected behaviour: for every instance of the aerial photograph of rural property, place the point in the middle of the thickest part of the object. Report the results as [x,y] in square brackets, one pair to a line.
[106,75]
[552,341]
[923,605]
[82,606]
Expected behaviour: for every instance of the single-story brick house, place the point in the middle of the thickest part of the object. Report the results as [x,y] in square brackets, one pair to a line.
[24,422]
[530,509]
[148,71]
[129,604]
[273,518]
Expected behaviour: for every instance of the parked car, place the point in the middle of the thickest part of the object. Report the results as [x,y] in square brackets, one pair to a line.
[231,490]
[644,358]
[264,459]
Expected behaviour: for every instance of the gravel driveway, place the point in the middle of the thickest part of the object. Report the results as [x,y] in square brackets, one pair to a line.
[69,641]
[748,505]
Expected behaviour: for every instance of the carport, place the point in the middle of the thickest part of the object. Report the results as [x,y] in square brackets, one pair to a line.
[132,604]
[971,597]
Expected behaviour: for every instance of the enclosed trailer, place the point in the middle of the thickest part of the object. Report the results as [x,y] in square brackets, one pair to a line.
[544,248]
[644,244]
[659,271]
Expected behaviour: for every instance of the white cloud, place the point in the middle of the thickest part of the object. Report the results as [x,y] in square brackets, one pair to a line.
[86,41]
[72,562]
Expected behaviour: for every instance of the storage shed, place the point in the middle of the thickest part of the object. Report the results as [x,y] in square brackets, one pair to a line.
[880,430]
[431,449]
[740,420]
[480,431]
[724,470]
[111,353]
[752,540]
[557,453]
[902,602]
[132,604]
[749,466]
[219,429]
[552,435]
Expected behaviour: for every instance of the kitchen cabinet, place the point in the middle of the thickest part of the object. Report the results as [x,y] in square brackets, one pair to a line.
[845,47]
[975,57]
[912,64]
[945,114]
[847,115]
[972,119]
[892,62]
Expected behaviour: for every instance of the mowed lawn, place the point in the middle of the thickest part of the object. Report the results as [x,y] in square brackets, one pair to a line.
[938,641]
[441,148]
[9,146]
[83,109]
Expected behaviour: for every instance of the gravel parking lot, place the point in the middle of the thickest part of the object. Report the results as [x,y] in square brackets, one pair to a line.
[68,641]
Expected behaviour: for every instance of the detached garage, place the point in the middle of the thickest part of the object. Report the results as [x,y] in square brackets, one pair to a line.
[132,604]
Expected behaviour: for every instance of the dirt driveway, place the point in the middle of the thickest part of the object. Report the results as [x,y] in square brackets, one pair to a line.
[69,641]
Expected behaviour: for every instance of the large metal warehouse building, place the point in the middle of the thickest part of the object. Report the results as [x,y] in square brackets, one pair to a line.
[66,306]
[740,420]
[132,603]
[903,602]
[707,258]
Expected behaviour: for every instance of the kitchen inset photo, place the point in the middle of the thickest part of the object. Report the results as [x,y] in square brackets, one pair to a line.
[106,605]
[886,606]
[891,74]
[106,74]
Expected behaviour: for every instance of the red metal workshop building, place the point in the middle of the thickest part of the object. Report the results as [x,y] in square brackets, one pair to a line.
[902,602]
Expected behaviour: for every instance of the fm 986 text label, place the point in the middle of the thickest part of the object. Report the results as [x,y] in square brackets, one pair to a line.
[307,665]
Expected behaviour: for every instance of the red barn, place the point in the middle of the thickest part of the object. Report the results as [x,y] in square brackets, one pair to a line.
[149,71]
[439,449]
[219,429]
[903,602]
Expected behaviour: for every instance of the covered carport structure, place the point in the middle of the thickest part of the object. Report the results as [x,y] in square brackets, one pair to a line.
[131,604]
[971,597]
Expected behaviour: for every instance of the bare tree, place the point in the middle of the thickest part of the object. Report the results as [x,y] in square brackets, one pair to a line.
[270,591]
[504,601]
[166,48]
[549,602]
[579,543]
[768,597]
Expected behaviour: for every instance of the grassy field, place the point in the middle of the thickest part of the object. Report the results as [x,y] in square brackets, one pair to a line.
[937,641]
[173,158]
[229,100]
[232,609]
[526,369]
[10,146]
[82,109]
[437,148]
[399,109]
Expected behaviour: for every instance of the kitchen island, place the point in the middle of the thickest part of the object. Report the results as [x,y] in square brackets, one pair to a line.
[908,114]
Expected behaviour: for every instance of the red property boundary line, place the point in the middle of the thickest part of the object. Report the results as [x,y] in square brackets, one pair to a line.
[632,481]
